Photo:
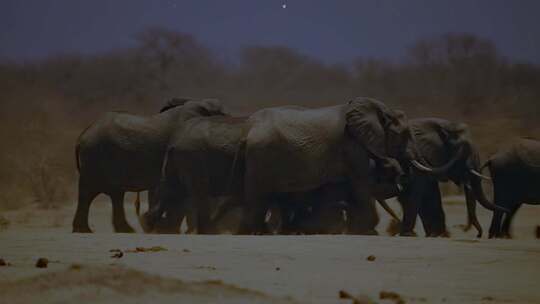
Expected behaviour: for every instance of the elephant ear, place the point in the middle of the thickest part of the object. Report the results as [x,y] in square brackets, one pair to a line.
[174,102]
[365,123]
[455,134]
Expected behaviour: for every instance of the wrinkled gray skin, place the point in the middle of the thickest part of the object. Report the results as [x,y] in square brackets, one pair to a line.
[201,164]
[287,150]
[515,172]
[296,150]
[440,143]
[122,152]
[448,147]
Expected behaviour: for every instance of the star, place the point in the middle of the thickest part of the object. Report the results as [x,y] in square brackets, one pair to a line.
[284,5]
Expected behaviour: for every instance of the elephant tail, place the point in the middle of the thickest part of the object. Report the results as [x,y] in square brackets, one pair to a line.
[239,150]
[77,159]
[78,149]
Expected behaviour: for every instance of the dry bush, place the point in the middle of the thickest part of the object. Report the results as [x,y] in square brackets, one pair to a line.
[44,105]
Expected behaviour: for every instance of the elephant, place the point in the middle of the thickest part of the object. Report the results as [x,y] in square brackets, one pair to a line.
[202,164]
[282,150]
[440,143]
[449,145]
[515,173]
[295,149]
[122,152]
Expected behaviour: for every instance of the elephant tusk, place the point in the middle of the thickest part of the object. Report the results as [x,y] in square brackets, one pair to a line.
[267,216]
[474,172]
[421,167]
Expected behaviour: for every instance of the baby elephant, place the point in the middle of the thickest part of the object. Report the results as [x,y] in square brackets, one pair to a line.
[515,172]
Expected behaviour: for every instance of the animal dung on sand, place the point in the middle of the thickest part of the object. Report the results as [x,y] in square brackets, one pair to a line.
[42,263]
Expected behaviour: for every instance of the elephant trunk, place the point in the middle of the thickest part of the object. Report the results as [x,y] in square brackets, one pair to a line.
[437,171]
[149,219]
[478,191]
[387,208]
[472,219]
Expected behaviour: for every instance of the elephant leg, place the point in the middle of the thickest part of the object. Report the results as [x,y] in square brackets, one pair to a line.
[363,216]
[86,196]
[152,197]
[255,207]
[119,217]
[426,217]
[254,218]
[495,228]
[253,221]
[410,203]
[505,230]
[472,219]
[204,222]
[431,211]
[191,221]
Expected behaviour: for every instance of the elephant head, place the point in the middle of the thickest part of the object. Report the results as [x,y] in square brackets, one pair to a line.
[462,158]
[384,133]
[381,130]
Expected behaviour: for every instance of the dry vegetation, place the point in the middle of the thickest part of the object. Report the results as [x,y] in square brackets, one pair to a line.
[44,105]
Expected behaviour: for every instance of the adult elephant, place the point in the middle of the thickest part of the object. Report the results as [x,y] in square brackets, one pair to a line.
[448,148]
[203,163]
[122,152]
[515,171]
[284,150]
[294,149]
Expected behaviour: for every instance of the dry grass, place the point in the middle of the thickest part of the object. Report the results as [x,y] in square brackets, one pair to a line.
[44,105]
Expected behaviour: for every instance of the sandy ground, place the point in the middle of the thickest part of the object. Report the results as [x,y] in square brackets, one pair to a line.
[263,269]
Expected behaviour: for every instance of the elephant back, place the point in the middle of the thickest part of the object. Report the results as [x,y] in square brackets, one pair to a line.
[528,151]
[297,148]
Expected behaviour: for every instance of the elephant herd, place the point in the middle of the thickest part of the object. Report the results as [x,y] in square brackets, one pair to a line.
[293,169]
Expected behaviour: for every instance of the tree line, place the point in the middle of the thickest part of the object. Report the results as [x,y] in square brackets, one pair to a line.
[45,104]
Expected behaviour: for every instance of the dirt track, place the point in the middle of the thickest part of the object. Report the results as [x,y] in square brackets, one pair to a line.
[310,269]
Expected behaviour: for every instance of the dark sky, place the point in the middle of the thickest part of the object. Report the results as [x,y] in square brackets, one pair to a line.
[332,30]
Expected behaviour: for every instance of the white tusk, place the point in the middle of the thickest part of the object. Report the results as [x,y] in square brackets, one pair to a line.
[474,172]
[267,216]
[418,165]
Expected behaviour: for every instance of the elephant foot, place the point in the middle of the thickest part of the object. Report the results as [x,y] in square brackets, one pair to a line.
[444,234]
[124,228]
[370,232]
[506,236]
[408,233]
[81,229]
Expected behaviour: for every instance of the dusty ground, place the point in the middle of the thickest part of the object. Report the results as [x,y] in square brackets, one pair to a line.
[265,269]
